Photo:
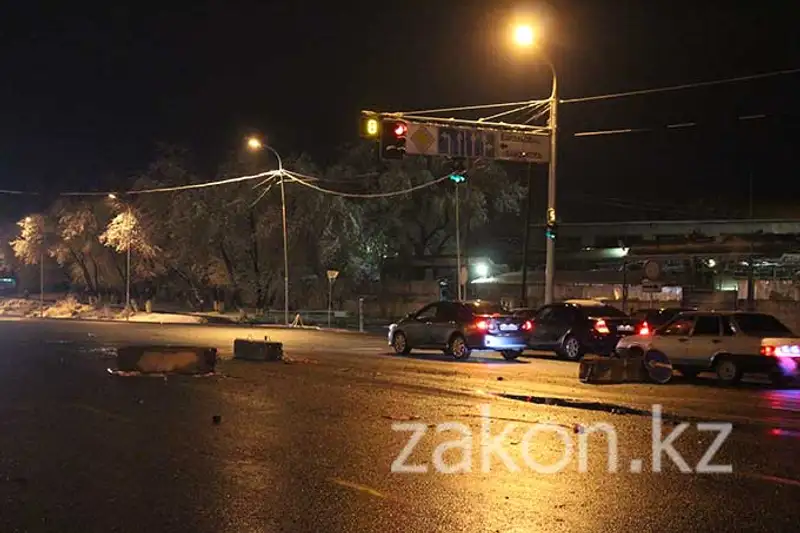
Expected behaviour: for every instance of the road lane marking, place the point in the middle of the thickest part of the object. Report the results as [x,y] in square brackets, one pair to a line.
[361,488]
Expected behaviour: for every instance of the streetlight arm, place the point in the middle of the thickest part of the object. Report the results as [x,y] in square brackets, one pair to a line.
[277,156]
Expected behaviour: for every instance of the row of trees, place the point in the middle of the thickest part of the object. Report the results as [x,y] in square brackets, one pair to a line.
[225,242]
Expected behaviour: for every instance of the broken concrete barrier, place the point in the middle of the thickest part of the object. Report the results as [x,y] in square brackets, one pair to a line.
[251,350]
[163,359]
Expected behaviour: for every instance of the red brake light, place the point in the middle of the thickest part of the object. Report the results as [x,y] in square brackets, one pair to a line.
[644,329]
[482,325]
[767,350]
[527,326]
[601,327]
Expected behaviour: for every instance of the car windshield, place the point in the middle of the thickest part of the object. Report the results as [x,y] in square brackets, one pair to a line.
[760,324]
[604,311]
[487,308]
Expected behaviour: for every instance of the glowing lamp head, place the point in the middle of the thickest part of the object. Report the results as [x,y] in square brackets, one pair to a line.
[482,270]
[254,143]
[524,35]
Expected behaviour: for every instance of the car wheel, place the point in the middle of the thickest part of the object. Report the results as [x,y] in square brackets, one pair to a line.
[728,372]
[458,347]
[400,344]
[571,349]
[511,355]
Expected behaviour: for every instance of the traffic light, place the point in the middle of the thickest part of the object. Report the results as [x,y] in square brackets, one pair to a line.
[458,170]
[393,139]
[550,231]
[370,126]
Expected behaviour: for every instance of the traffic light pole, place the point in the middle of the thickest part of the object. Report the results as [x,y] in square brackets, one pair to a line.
[458,245]
[550,266]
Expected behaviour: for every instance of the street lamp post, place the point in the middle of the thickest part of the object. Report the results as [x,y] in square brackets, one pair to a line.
[129,216]
[525,36]
[254,144]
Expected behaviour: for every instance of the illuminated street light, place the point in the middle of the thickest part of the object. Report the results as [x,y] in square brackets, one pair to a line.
[254,143]
[482,270]
[524,35]
[112,196]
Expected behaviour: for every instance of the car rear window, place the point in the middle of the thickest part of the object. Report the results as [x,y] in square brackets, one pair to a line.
[760,324]
[604,311]
[487,308]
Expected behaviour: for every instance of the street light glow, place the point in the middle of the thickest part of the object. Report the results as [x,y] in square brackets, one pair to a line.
[524,35]
[254,143]
[112,196]
[482,270]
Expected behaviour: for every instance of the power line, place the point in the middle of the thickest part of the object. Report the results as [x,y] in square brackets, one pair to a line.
[678,125]
[301,181]
[269,174]
[680,87]
[472,107]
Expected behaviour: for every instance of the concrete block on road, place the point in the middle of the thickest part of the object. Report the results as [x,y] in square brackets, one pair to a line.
[251,350]
[167,359]
[600,369]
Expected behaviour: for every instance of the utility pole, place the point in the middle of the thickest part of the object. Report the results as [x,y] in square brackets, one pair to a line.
[550,266]
[751,262]
[41,281]
[285,246]
[458,245]
[128,280]
[525,239]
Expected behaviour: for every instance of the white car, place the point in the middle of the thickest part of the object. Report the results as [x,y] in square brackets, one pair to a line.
[728,343]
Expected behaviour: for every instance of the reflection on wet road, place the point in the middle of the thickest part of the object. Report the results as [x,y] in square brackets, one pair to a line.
[311,445]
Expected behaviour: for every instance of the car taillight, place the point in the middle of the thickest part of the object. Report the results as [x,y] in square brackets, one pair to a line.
[527,326]
[601,327]
[482,325]
[767,350]
[644,329]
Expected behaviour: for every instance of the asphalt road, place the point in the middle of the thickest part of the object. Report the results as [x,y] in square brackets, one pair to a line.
[309,445]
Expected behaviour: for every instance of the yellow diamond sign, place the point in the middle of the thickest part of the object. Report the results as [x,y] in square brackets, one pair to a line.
[422,139]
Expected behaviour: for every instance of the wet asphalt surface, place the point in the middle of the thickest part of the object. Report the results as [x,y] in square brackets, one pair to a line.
[308,444]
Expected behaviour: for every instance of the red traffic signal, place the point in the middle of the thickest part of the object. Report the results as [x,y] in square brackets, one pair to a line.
[393,139]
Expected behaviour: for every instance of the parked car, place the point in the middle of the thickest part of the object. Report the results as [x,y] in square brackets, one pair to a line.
[458,328]
[727,343]
[576,327]
[652,319]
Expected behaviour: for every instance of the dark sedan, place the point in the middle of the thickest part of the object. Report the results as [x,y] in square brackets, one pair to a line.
[576,327]
[458,328]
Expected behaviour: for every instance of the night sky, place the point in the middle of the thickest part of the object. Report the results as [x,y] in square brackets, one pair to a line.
[88,90]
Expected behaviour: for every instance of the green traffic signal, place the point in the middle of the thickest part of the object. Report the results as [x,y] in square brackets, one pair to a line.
[458,178]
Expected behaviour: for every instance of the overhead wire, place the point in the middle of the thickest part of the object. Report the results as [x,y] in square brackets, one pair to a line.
[390,194]
[678,125]
[683,86]
[469,107]
[521,109]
